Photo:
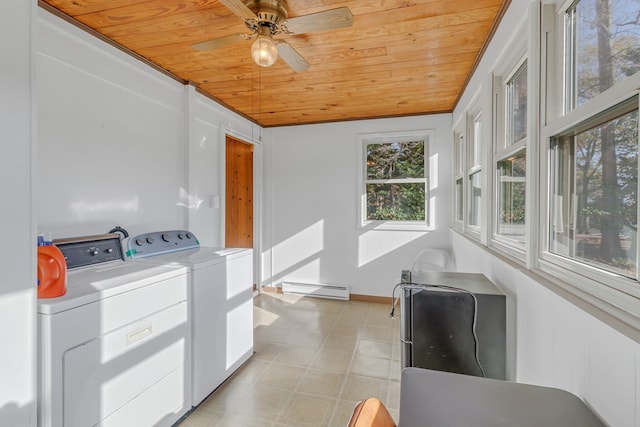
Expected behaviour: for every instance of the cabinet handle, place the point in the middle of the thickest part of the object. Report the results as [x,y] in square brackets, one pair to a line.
[138,335]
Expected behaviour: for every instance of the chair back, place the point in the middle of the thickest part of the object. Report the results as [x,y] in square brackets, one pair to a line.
[430,260]
[371,413]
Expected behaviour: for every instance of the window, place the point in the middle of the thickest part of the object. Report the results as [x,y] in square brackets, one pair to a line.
[511,158]
[516,103]
[595,191]
[395,178]
[591,209]
[475,197]
[511,197]
[602,39]
[474,174]
[459,179]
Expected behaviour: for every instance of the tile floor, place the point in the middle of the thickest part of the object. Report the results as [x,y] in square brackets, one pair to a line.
[314,359]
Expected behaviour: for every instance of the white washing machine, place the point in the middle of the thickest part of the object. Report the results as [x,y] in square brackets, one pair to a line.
[221,302]
[115,349]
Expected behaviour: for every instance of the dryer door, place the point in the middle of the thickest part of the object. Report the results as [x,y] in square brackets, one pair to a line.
[117,377]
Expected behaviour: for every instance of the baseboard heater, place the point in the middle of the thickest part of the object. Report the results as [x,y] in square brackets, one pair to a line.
[316,290]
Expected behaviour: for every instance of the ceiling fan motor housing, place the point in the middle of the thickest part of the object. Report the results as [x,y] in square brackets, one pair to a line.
[268,18]
[270,12]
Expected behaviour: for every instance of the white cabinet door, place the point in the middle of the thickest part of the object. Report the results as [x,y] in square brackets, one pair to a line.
[239,311]
[209,331]
[222,321]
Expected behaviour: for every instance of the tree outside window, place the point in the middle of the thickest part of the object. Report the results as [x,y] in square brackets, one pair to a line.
[606,41]
[396,181]
[595,204]
[595,163]
[511,156]
[511,197]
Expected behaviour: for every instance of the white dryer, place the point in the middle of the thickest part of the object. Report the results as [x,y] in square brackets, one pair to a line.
[221,302]
[114,350]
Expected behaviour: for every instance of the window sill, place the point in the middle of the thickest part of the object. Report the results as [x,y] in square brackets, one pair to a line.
[396,225]
[508,248]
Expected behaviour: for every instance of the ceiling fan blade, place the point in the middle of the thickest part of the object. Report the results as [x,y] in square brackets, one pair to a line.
[239,8]
[340,17]
[220,42]
[292,57]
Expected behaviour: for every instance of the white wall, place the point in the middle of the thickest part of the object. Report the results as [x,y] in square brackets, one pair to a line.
[311,220]
[208,123]
[17,285]
[110,137]
[121,143]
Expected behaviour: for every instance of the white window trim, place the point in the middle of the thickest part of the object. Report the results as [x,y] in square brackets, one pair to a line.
[514,247]
[610,292]
[426,135]
[459,171]
[474,112]
[595,276]
[617,303]
[515,54]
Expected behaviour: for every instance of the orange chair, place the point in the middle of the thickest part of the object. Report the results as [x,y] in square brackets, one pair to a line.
[371,413]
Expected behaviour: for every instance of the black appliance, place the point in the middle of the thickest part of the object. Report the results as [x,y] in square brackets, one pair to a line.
[453,322]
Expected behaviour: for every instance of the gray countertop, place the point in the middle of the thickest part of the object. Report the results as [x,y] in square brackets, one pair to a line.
[442,399]
[477,283]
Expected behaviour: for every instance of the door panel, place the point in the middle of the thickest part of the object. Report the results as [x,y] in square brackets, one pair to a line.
[239,194]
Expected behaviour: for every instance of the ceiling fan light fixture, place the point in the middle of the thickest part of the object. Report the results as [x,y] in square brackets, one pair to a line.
[264,51]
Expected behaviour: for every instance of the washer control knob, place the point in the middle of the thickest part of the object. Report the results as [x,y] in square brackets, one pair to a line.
[166,237]
[110,250]
[149,240]
[180,236]
[93,251]
[189,235]
[139,242]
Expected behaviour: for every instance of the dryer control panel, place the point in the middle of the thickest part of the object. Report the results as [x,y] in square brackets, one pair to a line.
[90,250]
[161,242]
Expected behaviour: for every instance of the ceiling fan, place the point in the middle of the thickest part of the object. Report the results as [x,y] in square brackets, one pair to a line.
[267,18]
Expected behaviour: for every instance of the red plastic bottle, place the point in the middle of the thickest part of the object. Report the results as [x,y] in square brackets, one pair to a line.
[52,271]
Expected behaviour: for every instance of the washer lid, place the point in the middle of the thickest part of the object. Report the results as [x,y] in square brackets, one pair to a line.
[197,258]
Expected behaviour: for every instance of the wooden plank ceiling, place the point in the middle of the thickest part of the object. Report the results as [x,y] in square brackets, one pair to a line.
[400,57]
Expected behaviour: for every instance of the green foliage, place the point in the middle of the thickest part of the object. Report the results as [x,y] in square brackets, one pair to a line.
[395,160]
[395,201]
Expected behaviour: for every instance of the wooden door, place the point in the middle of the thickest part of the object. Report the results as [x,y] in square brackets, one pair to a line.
[239,194]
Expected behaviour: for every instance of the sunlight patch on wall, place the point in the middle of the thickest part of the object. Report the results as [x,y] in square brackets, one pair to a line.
[304,271]
[189,201]
[83,209]
[373,244]
[433,172]
[299,253]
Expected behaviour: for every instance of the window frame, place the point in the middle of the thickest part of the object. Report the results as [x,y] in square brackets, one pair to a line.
[474,144]
[608,296]
[427,136]
[564,266]
[558,90]
[459,168]
[513,58]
